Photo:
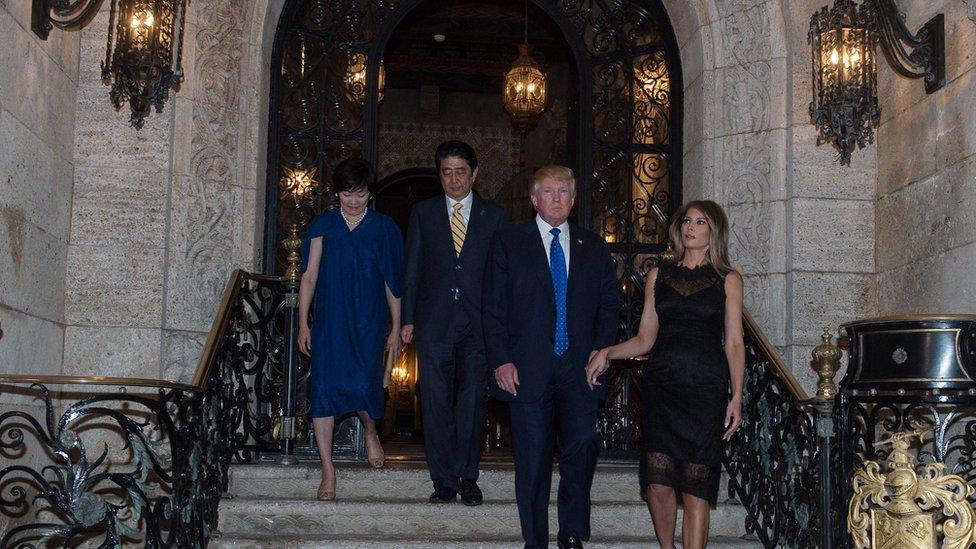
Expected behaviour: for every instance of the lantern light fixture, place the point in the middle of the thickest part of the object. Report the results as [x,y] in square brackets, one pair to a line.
[298,182]
[355,79]
[844,40]
[524,90]
[144,51]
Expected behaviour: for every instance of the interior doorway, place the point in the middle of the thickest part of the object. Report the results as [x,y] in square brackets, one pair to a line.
[618,122]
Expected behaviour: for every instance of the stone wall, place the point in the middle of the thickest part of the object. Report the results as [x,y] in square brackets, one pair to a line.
[926,186]
[830,216]
[159,214]
[38,81]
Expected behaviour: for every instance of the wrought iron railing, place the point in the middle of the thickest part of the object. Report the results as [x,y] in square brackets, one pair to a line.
[159,484]
[774,461]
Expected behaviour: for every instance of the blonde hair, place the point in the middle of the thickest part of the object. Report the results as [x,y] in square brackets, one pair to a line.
[718,238]
[553,171]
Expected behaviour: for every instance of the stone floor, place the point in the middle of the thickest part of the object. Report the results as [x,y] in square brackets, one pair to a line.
[270,506]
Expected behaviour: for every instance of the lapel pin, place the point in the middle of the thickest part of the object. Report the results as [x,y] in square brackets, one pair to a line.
[579,240]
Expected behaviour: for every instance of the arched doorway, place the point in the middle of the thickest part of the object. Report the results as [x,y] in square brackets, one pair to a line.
[623,121]
[397,193]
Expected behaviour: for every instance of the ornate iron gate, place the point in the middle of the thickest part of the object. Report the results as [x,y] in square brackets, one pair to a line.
[625,122]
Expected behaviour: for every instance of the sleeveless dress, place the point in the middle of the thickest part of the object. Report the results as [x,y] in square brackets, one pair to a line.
[686,383]
[350,315]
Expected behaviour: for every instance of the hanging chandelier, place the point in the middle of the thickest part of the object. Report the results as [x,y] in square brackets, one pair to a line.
[844,38]
[143,56]
[524,90]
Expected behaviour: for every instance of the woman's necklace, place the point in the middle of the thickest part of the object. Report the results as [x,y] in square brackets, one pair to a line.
[352,223]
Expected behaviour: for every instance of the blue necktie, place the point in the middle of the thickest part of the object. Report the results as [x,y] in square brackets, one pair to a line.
[557,266]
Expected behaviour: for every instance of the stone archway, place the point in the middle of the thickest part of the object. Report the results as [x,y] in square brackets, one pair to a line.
[732,54]
[201,166]
[735,65]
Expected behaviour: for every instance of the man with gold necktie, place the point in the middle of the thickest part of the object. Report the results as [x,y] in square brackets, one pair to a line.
[447,247]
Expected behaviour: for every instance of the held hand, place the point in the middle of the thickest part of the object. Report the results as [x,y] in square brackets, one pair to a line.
[406,333]
[733,417]
[393,342]
[304,340]
[507,377]
[597,365]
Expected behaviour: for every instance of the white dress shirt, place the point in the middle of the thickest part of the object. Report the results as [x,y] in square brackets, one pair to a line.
[544,229]
[465,207]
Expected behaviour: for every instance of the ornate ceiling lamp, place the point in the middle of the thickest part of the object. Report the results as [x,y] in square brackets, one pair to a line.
[845,92]
[143,58]
[524,91]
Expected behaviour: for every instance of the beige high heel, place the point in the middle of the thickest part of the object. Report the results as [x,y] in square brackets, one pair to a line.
[327,490]
[376,462]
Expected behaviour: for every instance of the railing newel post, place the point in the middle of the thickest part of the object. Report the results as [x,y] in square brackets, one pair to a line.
[292,282]
[826,363]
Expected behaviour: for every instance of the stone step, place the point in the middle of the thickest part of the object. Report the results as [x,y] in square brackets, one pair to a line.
[411,518]
[409,480]
[226,542]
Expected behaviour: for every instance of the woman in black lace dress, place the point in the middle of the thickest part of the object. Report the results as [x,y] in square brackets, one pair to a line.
[692,327]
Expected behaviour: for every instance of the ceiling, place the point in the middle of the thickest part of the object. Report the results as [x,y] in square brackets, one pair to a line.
[481,41]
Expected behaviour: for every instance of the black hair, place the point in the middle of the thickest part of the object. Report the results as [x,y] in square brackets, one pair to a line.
[456,148]
[353,174]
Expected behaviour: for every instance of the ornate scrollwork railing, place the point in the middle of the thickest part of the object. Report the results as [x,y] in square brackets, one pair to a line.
[773,461]
[148,463]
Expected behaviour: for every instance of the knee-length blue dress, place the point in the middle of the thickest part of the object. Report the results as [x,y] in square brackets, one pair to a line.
[350,321]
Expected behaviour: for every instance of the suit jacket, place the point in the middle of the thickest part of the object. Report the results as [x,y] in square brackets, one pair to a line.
[434,275]
[520,311]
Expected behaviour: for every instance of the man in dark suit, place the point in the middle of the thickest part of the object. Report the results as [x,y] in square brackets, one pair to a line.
[550,302]
[447,247]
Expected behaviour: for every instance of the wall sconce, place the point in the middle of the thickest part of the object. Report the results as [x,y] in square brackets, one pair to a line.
[144,52]
[845,92]
[355,80]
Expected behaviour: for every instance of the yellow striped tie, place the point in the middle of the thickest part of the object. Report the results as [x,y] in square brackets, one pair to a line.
[457,228]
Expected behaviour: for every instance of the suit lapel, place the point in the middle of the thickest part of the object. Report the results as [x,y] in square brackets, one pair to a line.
[475,222]
[442,226]
[538,263]
[575,262]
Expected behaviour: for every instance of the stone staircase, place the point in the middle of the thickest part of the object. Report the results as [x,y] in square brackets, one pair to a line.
[272,506]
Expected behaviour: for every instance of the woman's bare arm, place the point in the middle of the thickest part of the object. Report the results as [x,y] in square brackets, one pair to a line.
[646,332]
[735,350]
[306,290]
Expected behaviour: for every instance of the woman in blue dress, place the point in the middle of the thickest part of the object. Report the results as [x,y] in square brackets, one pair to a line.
[352,259]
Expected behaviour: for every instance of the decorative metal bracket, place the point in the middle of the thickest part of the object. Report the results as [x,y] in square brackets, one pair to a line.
[63,14]
[919,55]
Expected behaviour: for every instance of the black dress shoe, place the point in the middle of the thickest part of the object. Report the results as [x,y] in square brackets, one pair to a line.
[569,542]
[443,495]
[470,493]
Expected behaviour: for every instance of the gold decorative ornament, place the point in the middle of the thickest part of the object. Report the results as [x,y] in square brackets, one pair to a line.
[826,363]
[900,509]
[292,244]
